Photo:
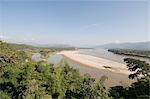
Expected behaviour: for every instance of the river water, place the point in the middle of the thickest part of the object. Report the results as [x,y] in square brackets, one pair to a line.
[102,53]
[113,78]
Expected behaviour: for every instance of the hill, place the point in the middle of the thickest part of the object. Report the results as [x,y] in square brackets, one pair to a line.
[21,79]
[54,46]
[135,46]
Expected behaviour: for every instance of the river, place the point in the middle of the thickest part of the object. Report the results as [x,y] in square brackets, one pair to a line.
[113,78]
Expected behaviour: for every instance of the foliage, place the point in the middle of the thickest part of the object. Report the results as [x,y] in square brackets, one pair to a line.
[4,95]
[9,54]
[141,67]
[131,52]
[21,79]
[139,89]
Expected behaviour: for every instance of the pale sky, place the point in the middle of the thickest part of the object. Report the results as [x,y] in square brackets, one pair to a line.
[73,22]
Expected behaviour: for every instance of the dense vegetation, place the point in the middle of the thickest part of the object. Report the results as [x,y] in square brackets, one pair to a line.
[140,53]
[22,78]
[44,51]
[139,89]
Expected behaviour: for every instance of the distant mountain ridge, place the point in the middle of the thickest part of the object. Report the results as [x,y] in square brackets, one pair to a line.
[24,46]
[136,46]
[54,46]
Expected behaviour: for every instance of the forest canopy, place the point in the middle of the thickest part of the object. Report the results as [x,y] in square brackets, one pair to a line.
[22,78]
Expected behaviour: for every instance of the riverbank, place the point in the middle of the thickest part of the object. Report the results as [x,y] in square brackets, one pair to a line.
[117,73]
[96,62]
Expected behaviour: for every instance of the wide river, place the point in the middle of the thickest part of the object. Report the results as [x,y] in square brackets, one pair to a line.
[102,53]
[113,78]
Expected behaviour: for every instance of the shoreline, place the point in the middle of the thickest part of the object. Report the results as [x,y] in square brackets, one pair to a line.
[96,62]
[85,65]
[114,77]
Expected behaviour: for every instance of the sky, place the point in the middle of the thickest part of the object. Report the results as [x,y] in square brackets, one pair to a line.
[74,22]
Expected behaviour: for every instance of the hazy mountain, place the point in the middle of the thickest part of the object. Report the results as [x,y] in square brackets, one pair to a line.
[54,46]
[137,46]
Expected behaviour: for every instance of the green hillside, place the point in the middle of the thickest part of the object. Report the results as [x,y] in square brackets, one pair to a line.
[22,78]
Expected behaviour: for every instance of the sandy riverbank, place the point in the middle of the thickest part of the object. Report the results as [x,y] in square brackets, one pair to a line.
[96,62]
[117,73]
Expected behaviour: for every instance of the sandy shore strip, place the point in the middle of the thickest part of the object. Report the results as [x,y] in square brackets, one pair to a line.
[96,62]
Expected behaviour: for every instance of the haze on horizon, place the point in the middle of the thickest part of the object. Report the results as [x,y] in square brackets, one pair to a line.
[74,22]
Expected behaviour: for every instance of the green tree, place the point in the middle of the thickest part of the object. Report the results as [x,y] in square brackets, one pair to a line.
[141,72]
[141,68]
[20,79]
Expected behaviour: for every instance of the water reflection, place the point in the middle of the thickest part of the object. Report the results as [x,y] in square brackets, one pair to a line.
[36,57]
[54,59]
